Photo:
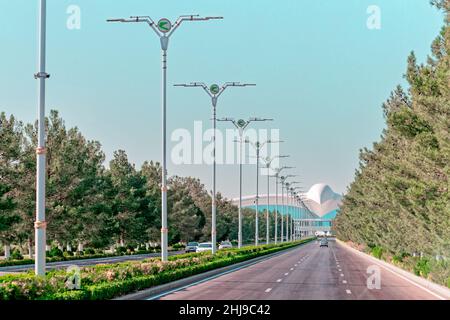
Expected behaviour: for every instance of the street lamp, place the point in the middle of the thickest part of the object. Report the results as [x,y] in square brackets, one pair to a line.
[164,30]
[286,185]
[241,125]
[294,210]
[214,92]
[40,224]
[277,176]
[258,146]
[268,162]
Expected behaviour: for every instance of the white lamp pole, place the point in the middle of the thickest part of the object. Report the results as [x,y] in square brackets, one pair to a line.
[241,125]
[164,30]
[277,177]
[268,162]
[214,92]
[40,225]
[258,146]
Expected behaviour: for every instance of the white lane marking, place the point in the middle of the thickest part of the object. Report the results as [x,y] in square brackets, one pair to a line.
[286,274]
[348,291]
[251,263]
[340,270]
[342,274]
[279,280]
[395,273]
[295,265]
[344,281]
[292,269]
[268,290]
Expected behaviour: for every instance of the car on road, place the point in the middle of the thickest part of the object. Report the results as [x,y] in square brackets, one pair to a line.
[324,242]
[204,246]
[225,245]
[320,234]
[191,247]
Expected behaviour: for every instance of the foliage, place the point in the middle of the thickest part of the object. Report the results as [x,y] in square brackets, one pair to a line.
[400,198]
[422,268]
[16,255]
[111,280]
[94,205]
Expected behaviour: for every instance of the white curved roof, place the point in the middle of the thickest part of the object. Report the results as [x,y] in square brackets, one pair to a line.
[321,193]
[322,199]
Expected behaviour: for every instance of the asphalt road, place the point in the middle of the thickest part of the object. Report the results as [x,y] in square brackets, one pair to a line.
[306,273]
[83,263]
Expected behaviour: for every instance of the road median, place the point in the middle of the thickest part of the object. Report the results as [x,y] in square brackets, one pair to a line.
[109,281]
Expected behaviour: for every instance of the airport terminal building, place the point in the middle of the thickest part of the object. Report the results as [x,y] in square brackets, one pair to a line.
[320,208]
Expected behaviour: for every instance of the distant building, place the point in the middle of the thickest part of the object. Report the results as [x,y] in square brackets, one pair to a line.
[320,208]
[321,202]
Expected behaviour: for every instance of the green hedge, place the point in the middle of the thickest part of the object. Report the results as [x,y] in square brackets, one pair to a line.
[112,280]
[11,262]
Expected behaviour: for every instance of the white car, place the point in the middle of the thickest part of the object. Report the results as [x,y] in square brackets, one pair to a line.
[225,245]
[319,233]
[204,246]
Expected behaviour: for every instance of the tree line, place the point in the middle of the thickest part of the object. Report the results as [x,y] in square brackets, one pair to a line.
[94,205]
[400,198]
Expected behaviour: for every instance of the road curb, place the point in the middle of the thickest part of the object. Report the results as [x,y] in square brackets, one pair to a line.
[178,284]
[432,287]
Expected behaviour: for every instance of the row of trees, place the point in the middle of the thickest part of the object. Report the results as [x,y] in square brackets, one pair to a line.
[92,205]
[400,199]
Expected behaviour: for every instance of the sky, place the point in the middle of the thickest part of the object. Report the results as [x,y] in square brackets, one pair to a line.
[320,72]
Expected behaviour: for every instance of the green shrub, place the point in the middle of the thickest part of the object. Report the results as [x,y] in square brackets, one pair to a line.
[55,252]
[422,267]
[68,254]
[16,255]
[110,280]
[121,250]
[377,252]
[89,251]
[178,246]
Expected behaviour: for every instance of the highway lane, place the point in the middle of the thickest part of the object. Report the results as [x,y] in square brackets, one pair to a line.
[306,273]
[84,263]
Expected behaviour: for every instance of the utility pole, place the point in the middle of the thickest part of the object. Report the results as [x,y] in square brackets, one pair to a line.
[164,30]
[40,224]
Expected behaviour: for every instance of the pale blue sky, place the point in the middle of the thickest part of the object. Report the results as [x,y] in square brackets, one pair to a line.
[320,72]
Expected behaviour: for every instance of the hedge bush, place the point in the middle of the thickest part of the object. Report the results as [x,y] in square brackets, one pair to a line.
[107,281]
[69,257]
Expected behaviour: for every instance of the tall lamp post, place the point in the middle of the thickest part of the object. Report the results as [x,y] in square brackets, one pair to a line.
[258,146]
[214,92]
[294,208]
[241,125]
[287,185]
[40,224]
[164,29]
[277,177]
[268,162]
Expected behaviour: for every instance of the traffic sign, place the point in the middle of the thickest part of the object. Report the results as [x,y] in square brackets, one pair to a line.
[214,89]
[164,25]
